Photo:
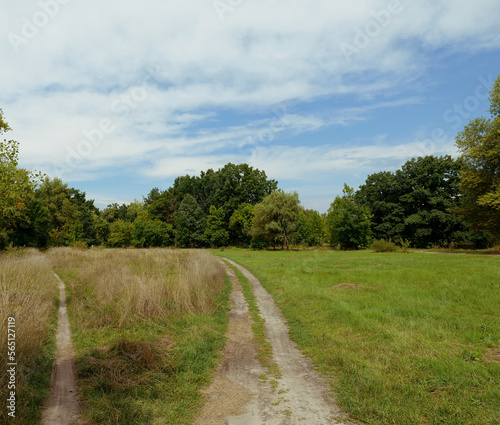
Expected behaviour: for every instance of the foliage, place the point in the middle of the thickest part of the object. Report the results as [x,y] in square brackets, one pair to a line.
[121,233]
[71,216]
[215,230]
[17,186]
[380,245]
[479,145]
[416,202]
[152,233]
[349,222]
[240,224]
[302,230]
[310,228]
[190,224]
[276,218]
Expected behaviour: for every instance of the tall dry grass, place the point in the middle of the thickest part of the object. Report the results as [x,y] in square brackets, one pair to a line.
[27,292]
[124,285]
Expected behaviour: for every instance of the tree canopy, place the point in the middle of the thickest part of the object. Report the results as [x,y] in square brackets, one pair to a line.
[479,145]
[276,218]
[349,222]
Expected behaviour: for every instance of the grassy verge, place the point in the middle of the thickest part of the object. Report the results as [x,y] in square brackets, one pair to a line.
[265,350]
[406,338]
[29,295]
[147,326]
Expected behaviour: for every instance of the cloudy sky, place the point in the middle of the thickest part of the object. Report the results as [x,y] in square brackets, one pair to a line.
[117,97]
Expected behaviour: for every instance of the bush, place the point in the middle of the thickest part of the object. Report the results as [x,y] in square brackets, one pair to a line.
[384,246]
[78,245]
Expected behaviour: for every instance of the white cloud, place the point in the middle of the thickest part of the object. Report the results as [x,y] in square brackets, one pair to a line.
[80,67]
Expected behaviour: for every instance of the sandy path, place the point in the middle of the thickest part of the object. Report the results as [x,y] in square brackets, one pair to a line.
[302,396]
[62,405]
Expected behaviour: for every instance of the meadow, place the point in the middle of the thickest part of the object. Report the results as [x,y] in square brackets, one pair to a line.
[404,338]
[147,328]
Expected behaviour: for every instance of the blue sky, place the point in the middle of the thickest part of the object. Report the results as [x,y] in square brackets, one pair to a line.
[119,97]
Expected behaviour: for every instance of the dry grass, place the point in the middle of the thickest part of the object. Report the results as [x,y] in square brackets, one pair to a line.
[147,326]
[126,285]
[27,293]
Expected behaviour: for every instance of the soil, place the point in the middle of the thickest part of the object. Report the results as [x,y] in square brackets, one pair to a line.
[62,405]
[238,395]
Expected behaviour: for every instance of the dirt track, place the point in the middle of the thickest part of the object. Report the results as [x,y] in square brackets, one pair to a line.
[238,397]
[62,405]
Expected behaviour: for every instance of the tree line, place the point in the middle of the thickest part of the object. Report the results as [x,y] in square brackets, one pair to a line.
[429,201]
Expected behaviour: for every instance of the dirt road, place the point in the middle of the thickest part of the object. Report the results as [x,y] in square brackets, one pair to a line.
[238,396]
[62,405]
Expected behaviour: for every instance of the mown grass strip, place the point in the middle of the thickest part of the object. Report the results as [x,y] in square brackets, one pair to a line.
[406,338]
[265,350]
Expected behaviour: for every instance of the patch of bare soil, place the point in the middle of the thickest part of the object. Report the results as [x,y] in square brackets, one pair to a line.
[62,405]
[301,396]
[237,379]
[492,356]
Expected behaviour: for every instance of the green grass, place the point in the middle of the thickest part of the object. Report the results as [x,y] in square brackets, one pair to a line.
[406,346]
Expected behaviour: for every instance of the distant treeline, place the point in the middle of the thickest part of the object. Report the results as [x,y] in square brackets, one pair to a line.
[238,205]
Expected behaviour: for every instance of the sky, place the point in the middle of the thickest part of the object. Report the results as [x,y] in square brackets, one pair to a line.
[118,97]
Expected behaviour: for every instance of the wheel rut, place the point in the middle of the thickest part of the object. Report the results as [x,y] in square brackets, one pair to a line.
[300,396]
[62,404]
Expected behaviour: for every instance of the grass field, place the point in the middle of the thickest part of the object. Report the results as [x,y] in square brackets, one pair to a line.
[28,294]
[406,338]
[147,328]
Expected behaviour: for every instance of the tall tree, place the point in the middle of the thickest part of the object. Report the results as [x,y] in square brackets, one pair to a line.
[17,186]
[190,224]
[276,218]
[479,145]
[215,230]
[240,224]
[417,202]
[349,222]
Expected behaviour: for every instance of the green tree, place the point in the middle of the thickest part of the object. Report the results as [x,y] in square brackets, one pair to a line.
[276,218]
[417,202]
[121,233]
[17,186]
[161,205]
[190,224]
[102,228]
[479,145]
[317,225]
[152,233]
[33,227]
[240,224]
[3,124]
[215,229]
[349,222]
[303,232]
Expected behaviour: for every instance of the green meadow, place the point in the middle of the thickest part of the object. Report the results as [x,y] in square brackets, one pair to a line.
[405,338]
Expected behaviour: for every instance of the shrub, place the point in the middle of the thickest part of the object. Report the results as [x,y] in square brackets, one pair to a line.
[381,245]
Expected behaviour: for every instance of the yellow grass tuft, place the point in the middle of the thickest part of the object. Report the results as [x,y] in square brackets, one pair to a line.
[128,284]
